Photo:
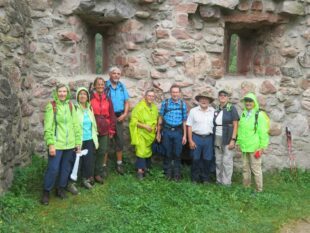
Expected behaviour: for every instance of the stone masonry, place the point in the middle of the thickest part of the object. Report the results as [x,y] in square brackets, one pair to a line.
[156,43]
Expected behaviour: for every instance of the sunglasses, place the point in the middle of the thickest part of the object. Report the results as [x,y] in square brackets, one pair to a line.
[223,94]
[248,100]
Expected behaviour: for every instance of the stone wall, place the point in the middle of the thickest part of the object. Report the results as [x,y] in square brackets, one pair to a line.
[160,42]
[15,88]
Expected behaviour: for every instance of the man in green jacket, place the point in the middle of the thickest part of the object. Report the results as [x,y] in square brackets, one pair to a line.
[62,134]
[253,138]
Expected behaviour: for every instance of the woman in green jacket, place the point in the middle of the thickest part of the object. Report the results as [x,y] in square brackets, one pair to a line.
[62,134]
[142,128]
[253,138]
[89,136]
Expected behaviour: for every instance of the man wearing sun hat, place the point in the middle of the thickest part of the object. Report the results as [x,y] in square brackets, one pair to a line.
[200,137]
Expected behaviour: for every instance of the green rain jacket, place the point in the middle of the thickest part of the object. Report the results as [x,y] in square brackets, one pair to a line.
[140,137]
[248,140]
[67,134]
[80,113]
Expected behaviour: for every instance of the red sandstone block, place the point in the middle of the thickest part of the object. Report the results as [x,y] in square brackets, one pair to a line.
[162,33]
[187,7]
[257,6]
[182,20]
[180,34]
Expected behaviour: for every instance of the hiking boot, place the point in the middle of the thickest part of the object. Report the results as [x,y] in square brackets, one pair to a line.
[120,169]
[87,183]
[71,187]
[45,198]
[177,178]
[104,171]
[140,176]
[60,192]
[99,179]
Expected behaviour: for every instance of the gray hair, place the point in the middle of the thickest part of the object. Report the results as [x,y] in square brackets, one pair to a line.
[113,68]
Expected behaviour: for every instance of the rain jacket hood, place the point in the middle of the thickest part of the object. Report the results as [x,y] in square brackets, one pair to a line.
[249,139]
[80,113]
[253,97]
[61,127]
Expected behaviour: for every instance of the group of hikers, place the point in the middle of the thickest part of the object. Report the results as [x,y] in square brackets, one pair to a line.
[97,119]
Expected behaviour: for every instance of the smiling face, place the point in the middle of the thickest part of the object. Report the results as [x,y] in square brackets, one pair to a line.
[149,97]
[82,97]
[62,93]
[223,98]
[203,102]
[249,104]
[99,86]
[115,75]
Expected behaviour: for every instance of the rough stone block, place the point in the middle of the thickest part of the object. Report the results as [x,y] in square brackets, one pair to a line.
[257,5]
[209,13]
[267,88]
[292,8]
[189,8]
[244,5]
[230,4]
[160,56]
[293,72]
[162,33]
[143,14]
[182,19]
[180,34]
[39,4]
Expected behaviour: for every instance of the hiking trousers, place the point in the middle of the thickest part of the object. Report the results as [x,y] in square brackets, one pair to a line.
[224,162]
[252,165]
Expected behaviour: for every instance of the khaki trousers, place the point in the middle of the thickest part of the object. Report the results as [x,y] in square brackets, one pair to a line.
[254,165]
[224,162]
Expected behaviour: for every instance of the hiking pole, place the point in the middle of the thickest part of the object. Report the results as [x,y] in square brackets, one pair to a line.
[75,169]
[292,158]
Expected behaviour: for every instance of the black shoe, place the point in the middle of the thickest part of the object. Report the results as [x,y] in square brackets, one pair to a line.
[177,178]
[99,179]
[61,193]
[45,198]
[71,187]
[120,169]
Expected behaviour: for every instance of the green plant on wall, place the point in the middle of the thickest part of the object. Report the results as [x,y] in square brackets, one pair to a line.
[99,57]
[233,53]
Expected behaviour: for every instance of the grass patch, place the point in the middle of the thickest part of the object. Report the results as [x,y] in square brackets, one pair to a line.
[124,204]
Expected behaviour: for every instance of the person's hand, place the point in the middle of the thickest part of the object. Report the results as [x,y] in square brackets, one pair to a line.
[51,150]
[184,140]
[78,149]
[192,145]
[231,145]
[111,135]
[148,128]
[121,118]
[158,136]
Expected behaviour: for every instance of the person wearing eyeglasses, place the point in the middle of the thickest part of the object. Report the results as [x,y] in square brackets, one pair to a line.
[253,138]
[225,126]
[142,126]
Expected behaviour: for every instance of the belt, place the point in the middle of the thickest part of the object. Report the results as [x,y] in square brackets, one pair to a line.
[203,135]
[173,128]
[118,114]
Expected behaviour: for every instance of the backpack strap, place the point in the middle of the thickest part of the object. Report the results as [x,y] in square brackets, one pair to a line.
[256,120]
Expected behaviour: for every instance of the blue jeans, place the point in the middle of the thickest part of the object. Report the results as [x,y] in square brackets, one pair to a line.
[59,165]
[202,157]
[143,163]
[172,142]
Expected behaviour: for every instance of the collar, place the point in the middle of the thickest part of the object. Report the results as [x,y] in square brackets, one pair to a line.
[178,102]
[208,109]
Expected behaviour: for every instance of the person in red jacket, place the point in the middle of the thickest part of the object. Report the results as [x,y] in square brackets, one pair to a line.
[106,123]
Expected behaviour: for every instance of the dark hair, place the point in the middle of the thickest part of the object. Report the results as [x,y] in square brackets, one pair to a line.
[148,91]
[86,94]
[60,85]
[175,86]
[97,79]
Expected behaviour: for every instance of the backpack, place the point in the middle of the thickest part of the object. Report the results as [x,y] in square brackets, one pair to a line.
[107,89]
[256,119]
[166,107]
[54,105]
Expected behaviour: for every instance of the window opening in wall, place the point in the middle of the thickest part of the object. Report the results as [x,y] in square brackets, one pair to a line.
[233,53]
[99,53]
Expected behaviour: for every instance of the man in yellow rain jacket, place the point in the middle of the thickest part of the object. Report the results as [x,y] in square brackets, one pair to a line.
[142,128]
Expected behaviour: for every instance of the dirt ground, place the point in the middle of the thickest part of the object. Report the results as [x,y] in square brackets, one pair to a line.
[300,226]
